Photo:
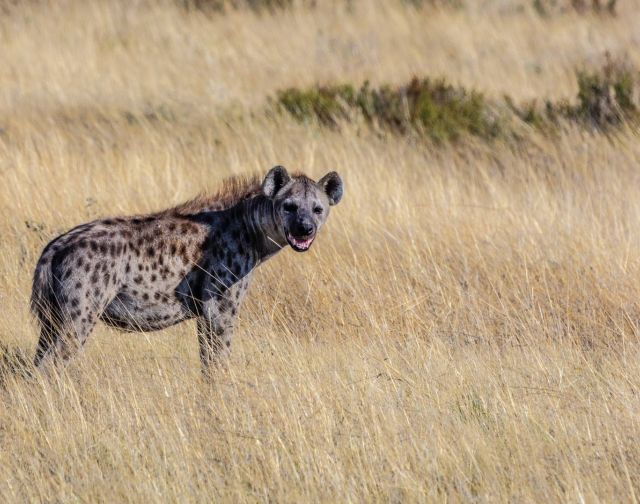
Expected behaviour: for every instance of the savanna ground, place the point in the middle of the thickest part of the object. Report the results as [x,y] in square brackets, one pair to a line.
[464,329]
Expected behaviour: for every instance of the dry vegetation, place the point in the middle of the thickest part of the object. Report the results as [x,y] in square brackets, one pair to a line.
[465,329]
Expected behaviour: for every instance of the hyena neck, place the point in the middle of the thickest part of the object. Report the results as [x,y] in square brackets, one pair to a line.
[255,218]
[258,215]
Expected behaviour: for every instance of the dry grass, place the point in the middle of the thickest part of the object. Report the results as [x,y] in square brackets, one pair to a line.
[465,329]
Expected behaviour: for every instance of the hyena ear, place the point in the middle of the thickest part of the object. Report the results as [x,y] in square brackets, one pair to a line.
[275,180]
[331,183]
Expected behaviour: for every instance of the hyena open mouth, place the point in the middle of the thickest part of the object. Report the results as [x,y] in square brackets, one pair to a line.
[300,244]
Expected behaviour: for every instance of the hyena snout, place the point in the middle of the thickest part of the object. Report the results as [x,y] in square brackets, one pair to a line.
[300,233]
[303,228]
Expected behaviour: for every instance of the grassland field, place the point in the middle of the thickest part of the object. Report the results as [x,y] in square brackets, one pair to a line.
[465,329]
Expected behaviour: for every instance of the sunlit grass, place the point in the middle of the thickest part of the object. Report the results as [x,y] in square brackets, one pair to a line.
[465,327]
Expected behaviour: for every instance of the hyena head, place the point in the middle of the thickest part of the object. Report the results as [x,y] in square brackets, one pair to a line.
[301,205]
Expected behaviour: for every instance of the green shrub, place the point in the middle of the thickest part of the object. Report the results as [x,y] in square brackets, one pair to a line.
[552,7]
[209,6]
[530,112]
[434,108]
[606,97]
[326,104]
[450,4]
[276,5]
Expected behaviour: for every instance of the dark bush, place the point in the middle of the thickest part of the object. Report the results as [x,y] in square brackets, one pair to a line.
[450,4]
[423,106]
[606,97]
[326,104]
[209,6]
[553,7]
[609,95]
[276,5]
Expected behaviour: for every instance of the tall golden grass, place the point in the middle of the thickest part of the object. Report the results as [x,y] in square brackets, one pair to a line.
[465,328]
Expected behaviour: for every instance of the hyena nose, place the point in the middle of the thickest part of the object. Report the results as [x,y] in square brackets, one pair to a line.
[305,229]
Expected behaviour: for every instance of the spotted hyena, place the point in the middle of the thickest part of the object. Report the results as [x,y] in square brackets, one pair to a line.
[194,261]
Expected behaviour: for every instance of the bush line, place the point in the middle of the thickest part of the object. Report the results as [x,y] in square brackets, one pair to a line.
[607,97]
[544,8]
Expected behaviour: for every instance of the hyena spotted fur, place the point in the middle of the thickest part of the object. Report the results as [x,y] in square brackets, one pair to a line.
[150,272]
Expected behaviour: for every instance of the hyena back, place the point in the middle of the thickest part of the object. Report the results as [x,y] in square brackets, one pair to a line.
[151,272]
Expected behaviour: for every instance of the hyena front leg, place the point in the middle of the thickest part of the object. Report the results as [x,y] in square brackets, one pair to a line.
[215,329]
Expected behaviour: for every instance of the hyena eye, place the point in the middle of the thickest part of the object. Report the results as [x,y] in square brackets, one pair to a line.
[290,207]
[317,210]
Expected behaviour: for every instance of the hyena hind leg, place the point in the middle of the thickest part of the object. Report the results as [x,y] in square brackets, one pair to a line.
[62,339]
[48,336]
